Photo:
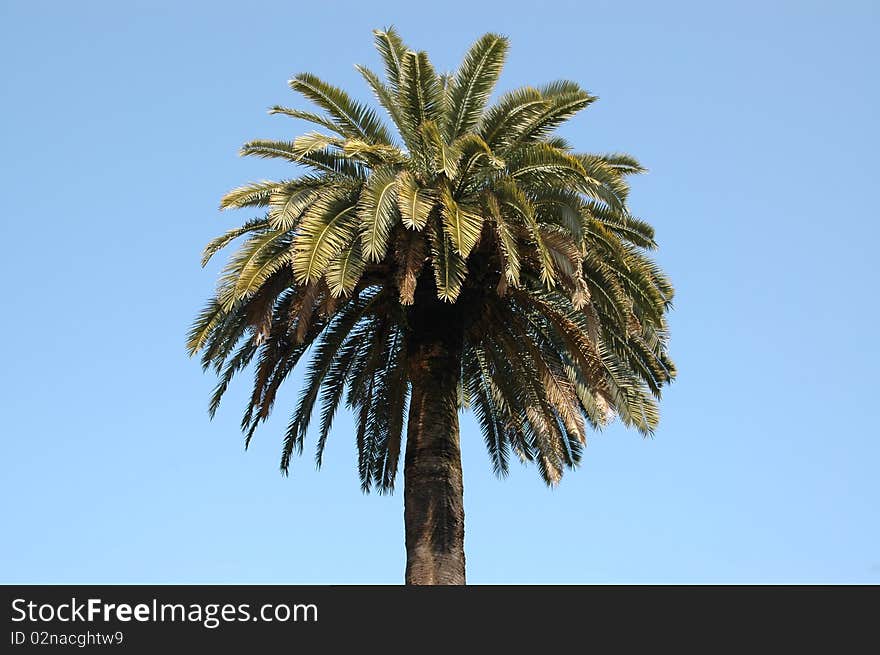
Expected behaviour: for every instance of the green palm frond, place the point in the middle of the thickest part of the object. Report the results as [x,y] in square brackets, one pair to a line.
[488,411]
[308,116]
[514,201]
[255,194]
[326,351]
[450,268]
[258,258]
[462,224]
[475,155]
[392,49]
[562,101]
[333,387]
[327,228]
[472,85]
[378,213]
[385,94]
[344,270]
[414,201]
[419,96]
[323,161]
[204,325]
[443,157]
[540,165]
[353,119]
[515,111]
[372,153]
[286,207]
[255,225]
[508,248]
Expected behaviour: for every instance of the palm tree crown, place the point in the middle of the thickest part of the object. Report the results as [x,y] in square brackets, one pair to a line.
[470,219]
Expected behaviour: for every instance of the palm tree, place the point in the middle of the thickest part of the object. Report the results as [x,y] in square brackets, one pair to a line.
[473,260]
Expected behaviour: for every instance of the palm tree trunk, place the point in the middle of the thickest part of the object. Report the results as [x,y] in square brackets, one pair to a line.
[433,489]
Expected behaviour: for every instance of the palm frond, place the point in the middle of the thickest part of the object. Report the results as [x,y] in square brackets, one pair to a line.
[308,116]
[414,201]
[420,96]
[461,223]
[378,213]
[218,243]
[450,268]
[328,227]
[255,194]
[353,119]
[344,270]
[392,49]
[472,85]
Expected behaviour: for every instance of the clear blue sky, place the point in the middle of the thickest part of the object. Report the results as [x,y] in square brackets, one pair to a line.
[120,127]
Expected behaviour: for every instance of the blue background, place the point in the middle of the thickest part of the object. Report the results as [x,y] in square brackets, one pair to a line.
[120,126]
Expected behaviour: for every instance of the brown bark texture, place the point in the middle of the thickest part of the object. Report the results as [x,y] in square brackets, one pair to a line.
[433,488]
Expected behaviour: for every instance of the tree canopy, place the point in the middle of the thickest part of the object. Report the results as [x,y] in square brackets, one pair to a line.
[479,206]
